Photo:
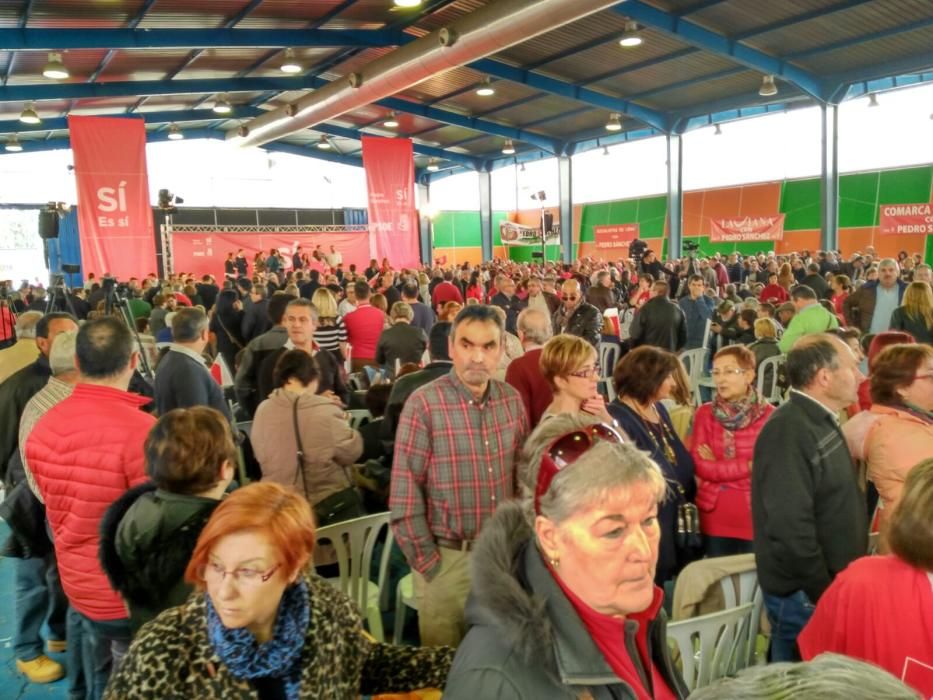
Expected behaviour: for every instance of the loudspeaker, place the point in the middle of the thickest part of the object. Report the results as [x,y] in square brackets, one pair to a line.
[48,224]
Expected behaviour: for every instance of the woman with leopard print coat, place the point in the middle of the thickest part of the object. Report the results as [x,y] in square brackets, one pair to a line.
[262,627]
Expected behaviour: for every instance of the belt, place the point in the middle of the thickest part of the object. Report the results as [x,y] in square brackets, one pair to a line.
[461,545]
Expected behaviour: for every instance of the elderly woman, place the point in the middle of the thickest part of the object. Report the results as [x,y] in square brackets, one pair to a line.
[568,364]
[880,608]
[563,602]
[149,533]
[260,625]
[722,445]
[643,379]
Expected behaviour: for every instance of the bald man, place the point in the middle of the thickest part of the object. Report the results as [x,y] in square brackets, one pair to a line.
[575,316]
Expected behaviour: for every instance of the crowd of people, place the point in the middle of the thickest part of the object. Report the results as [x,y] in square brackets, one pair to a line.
[545,504]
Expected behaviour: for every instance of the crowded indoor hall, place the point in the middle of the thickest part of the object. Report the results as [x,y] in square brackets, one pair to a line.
[466,349]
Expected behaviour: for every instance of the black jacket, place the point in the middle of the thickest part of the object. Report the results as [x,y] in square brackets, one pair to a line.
[247,374]
[661,323]
[15,393]
[403,342]
[585,322]
[526,640]
[183,382]
[256,320]
[819,285]
[808,512]
[512,306]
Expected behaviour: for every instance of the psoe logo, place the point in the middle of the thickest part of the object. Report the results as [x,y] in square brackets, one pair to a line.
[110,199]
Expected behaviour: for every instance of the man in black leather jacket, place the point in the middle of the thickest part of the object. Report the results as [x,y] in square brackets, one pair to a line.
[576,317]
[660,322]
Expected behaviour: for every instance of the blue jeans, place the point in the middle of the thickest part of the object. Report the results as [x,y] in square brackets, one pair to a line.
[788,616]
[39,599]
[103,644]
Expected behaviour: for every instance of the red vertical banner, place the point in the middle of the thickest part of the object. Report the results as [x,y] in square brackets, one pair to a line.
[390,185]
[114,217]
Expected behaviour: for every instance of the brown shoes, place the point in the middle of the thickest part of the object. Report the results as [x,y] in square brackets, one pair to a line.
[41,669]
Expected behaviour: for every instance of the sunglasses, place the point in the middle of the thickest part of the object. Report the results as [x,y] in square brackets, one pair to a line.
[571,297]
[566,450]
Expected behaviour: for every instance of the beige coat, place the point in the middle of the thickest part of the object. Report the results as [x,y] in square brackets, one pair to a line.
[329,443]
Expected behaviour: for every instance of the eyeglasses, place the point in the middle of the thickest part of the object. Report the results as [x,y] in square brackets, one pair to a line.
[571,297]
[566,450]
[928,375]
[727,372]
[243,578]
[586,373]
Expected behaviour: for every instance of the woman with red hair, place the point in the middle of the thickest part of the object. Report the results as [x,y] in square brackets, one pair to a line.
[878,343]
[260,625]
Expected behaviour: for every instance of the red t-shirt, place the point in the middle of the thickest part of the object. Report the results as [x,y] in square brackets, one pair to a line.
[364,326]
[880,609]
[608,633]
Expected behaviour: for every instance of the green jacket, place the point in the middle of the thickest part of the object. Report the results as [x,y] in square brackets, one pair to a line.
[811,319]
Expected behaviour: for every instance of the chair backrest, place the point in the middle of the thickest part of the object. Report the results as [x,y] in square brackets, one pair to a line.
[359,417]
[710,645]
[694,361]
[748,592]
[768,385]
[353,542]
[246,426]
[608,357]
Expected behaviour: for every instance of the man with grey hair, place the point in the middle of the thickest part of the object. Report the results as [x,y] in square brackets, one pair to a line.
[808,512]
[923,273]
[182,378]
[524,373]
[401,342]
[871,306]
[25,351]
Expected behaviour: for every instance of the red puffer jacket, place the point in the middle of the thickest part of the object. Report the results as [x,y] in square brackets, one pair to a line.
[724,486]
[85,453]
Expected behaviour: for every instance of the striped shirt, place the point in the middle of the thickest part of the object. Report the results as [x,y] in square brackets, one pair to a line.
[455,460]
[329,337]
[51,394]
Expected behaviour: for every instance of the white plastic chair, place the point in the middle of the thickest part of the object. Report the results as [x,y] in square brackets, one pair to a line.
[694,361]
[404,596]
[608,356]
[770,391]
[353,542]
[710,645]
[359,417]
[748,592]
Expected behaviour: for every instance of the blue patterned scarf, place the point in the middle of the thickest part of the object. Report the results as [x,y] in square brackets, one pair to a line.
[280,657]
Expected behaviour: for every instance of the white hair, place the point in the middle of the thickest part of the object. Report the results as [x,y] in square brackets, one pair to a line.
[26,324]
[62,354]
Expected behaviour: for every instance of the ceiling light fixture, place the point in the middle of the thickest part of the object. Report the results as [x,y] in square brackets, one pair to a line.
[615,122]
[55,68]
[391,122]
[222,105]
[718,131]
[407,3]
[486,89]
[433,165]
[291,65]
[29,114]
[508,148]
[631,37]
[873,100]
[323,143]
[13,145]
[174,133]
[768,88]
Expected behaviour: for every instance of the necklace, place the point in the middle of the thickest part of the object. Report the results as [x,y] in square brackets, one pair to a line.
[658,432]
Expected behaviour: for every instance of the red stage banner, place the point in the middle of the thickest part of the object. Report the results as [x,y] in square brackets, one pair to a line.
[114,216]
[906,218]
[616,236]
[390,184]
[204,253]
[748,228]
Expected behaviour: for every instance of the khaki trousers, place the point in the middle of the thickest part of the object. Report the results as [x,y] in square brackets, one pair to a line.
[442,599]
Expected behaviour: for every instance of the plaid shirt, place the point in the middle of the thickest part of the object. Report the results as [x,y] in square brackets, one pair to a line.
[454,464]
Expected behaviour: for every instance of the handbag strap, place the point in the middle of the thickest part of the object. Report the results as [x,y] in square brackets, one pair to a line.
[300,454]
[229,334]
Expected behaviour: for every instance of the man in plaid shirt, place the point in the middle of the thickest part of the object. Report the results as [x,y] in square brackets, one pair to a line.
[457,445]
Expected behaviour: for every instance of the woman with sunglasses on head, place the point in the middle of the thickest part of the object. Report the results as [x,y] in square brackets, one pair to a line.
[722,444]
[569,365]
[260,625]
[563,601]
[643,379]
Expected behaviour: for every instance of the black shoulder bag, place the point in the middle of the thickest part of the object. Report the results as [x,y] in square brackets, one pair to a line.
[343,505]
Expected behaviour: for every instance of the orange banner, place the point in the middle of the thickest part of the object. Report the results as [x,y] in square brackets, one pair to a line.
[748,228]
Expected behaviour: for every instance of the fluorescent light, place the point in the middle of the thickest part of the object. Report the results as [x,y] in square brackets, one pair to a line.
[174,133]
[486,89]
[508,148]
[13,145]
[768,88]
[55,68]
[323,143]
[615,122]
[631,37]
[407,3]
[391,122]
[291,65]
[222,106]
[29,115]
[433,165]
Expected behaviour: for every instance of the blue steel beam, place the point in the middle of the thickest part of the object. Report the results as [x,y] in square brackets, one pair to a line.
[797,19]
[132,24]
[716,43]
[312,152]
[690,81]
[862,39]
[152,137]
[838,84]
[23,21]
[63,39]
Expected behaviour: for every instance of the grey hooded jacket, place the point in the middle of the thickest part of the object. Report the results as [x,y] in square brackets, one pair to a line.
[526,641]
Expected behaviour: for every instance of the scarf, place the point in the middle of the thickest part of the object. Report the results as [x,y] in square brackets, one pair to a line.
[736,415]
[280,657]
[915,411]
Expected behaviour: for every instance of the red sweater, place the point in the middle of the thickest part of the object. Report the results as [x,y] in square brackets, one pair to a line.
[444,292]
[524,373]
[774,293]
[364,326]
[879,609]
[724,486]
[85,453]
